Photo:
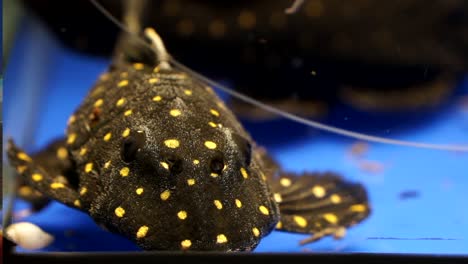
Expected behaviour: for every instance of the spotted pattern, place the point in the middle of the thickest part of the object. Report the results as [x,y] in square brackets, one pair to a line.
[218,204]
[124,171]
[264,210]
[210,145]
[187,176]
[37,177]
[119,211]
[122,83]
[175,112]
[186,244]
[221,239]
[172,143]
[142,231]
[165,195]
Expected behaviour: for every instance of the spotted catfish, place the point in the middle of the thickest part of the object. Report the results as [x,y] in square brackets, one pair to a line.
[154,155]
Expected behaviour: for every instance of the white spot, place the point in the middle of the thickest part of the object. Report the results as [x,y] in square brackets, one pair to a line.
[28,235]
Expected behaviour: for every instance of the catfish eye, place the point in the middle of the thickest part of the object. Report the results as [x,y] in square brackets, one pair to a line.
[217,165]
[245,147]
[175,164]
[131,145]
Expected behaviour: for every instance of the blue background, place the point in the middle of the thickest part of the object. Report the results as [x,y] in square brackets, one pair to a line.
[44,83]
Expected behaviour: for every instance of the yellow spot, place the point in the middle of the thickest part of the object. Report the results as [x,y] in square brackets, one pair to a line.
[25,191]
[122,83]
[157,69]
[244,173]
[62,153]
[221,238]
[331,218]
[124,171]
[138,66]
[98,103]
[77,203]
[88,167]
[218,204]
[124,74]
[119,211]
[319,191]
[165,195]
[23,156]
[277,197]
[335,198]
[21,169]
[175,112]
[71,138]
[210,144]
[142,231]
[128,112]
[195,161]
[300,221]
[157,98]
[212,124]
[139,191]
[214,112]
[83,191]
[186,243]
[57,185]
[36,177]
[238,203]
[217,28]
[182,215]
[107,164]
[153,80]
[126,132]
[83,151]
[191,182]
[164,165]
[279,225]
[120,102]
[172,143]
[246,19]
[285,182]
[264,210]
[359,208]
[255,231]
[108,136]
[214,175]
[187,92]
[71,119]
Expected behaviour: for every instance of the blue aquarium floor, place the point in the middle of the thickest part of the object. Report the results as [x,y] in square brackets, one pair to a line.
[419,197]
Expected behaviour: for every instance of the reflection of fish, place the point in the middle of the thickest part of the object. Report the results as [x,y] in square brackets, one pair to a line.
[360,51]
[154,155]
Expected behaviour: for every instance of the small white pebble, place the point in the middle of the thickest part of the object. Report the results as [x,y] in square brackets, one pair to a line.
[28,235]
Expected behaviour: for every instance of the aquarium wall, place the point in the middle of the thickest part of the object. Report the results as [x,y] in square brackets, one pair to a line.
[351,67]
